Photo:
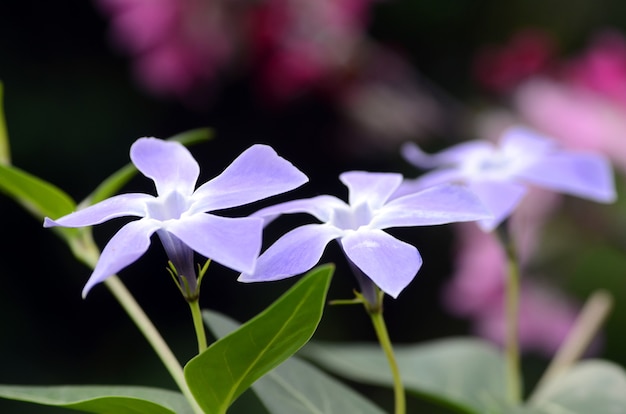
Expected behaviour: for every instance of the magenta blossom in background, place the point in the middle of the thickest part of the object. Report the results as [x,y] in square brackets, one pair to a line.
[181,45]
[602,68]
[501,68]
[185,49]
[575,117]
[179,214]
[501,174]
[304,44]
[379,258]
[584,107]
[579,102]
[177,45]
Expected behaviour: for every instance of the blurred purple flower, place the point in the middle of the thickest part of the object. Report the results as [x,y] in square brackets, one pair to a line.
[358,225]
[500,175]
[177,213]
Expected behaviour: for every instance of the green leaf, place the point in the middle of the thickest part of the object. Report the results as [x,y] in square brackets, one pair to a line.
[297,387]
[592,386]
[229,366]
[36,195]
[5,151]
[463,374]
[193,136]
[101,399]
[118,179]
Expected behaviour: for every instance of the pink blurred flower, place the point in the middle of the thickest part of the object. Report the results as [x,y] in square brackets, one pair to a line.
[181,48]
[177,45]
[546,317]
[578,118]
[579,102]
[477,292]
[303,44]
[294,46]
[602,68]
[500,68]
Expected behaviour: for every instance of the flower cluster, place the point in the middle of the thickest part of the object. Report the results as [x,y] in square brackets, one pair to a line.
[183,218]
[477,181]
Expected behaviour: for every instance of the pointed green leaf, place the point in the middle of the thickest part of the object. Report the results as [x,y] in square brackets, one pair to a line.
[36,195]
[592,386]
[118,179]
[463,374]
[5,151]
[230,365]
[297,387]
[101,399]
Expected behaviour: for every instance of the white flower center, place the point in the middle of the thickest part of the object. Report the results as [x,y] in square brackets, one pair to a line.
[495,165]
[352,218]
[170,207]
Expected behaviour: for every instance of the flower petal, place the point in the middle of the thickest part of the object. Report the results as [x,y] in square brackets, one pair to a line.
[294,253]
[500,197]
[430,179]
[321,207]
[168,163]
[232,242]
[584,175]
[126,246]
[435,205]
[450,156]
[117,206]
[390,263]
[373,188]
[520,140]
[256,174]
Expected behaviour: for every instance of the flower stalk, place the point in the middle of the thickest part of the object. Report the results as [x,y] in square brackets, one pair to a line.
[512,294]
[86,251]
[375,311]
[198,324]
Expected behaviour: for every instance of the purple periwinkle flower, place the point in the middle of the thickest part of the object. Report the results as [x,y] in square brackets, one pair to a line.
[178,214]
[358,225]
[499,175]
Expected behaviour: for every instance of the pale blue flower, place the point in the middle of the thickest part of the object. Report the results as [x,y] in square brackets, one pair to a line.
[178,214]
[500,174]
[358,226]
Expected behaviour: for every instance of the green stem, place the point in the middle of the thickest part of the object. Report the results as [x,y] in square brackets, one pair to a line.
[513,371]
[87,252]
[198,324]
[141,320]
[383,338]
